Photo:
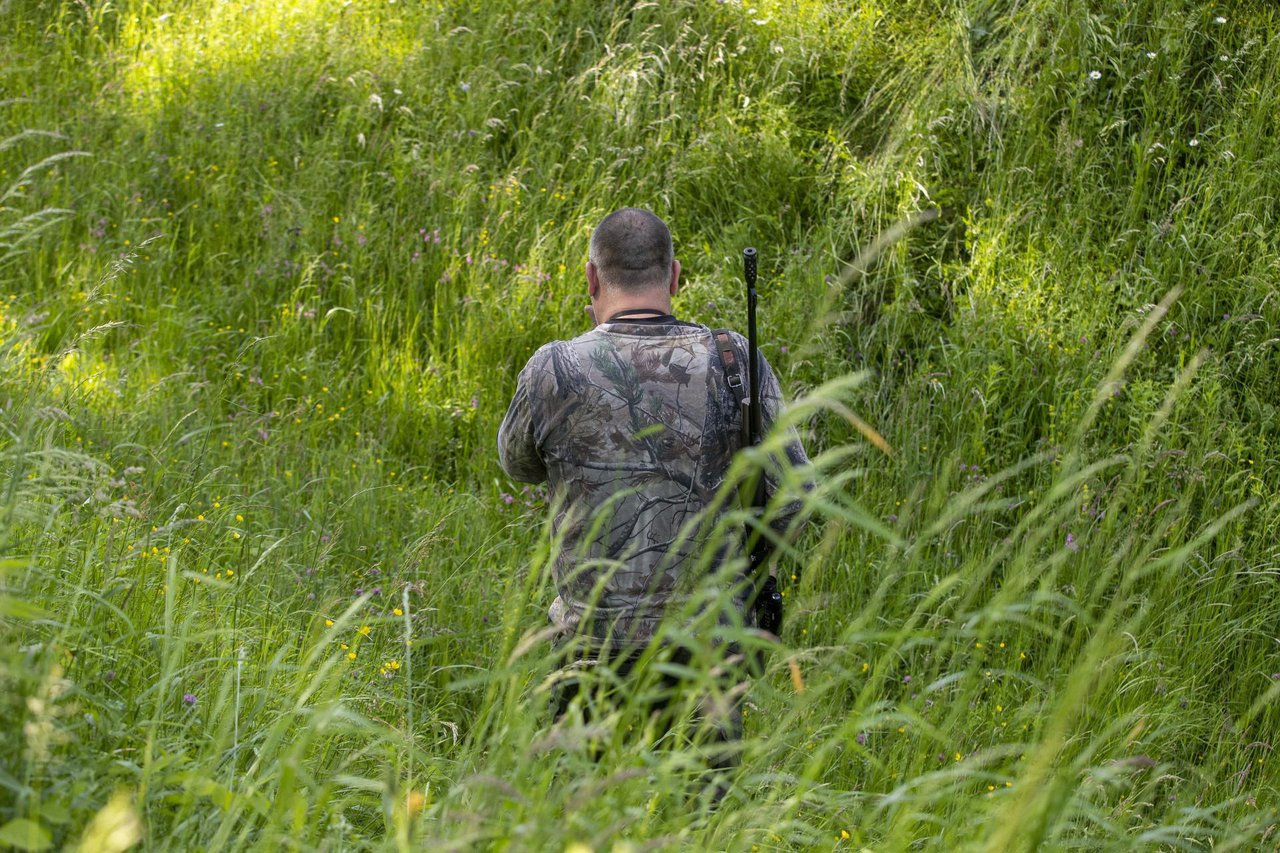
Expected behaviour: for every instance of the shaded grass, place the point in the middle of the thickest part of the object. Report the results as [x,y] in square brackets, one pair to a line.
[278,328]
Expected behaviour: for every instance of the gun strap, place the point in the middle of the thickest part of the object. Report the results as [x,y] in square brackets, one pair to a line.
[732,364]
[729,360]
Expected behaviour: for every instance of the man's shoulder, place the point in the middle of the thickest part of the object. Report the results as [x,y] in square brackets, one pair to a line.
[546,352]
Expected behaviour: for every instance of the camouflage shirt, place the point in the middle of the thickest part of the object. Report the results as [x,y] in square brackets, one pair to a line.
[633,425]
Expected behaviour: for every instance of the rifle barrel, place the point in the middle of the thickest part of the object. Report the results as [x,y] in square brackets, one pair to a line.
[756,422]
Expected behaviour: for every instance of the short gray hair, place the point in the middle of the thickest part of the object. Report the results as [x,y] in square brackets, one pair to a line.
[632,249]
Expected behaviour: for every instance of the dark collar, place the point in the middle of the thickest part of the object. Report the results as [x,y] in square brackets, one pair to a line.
[629,315]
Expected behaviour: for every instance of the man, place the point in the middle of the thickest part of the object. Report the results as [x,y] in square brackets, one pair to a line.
[633,425]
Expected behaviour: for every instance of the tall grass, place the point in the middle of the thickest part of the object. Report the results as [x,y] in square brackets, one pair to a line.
[268,272]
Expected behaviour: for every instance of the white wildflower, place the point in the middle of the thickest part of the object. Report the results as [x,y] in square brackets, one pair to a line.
[1219,20]
[1095,75]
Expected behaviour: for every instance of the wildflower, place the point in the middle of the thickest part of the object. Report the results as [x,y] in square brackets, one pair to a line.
[1219,20]
[328,623]
[844,835]
[1194,142]
[1071,543]
[351,655]
[1095,75]
[363,630]
[398,612]
[1151,54]
[239,517]
[861,738]
[906,679]
[464,86]
[188,699]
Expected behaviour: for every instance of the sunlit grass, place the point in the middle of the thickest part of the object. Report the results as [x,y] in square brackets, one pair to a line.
[264,584]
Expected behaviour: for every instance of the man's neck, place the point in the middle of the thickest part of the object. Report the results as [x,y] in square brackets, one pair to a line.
[658,304]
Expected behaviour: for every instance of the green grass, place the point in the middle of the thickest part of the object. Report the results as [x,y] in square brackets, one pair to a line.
[267,274]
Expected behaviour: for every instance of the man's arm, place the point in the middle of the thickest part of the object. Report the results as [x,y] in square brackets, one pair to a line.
[795,456]
[517,443]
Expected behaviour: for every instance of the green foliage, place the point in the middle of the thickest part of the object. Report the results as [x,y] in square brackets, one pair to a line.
[268,271]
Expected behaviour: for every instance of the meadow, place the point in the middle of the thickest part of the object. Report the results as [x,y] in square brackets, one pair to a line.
[268,272]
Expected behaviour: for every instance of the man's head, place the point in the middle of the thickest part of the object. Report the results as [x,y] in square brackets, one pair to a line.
[631,252]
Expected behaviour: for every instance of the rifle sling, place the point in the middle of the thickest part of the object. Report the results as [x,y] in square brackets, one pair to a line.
[732,364]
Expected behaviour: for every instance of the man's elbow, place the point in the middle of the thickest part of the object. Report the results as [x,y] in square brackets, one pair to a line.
[522,470]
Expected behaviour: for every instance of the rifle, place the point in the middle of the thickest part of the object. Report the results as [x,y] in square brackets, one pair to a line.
[765,600]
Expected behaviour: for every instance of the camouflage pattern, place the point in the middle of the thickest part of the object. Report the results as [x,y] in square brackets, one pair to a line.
[633,425]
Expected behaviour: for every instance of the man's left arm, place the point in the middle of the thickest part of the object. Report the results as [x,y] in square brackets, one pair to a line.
[517,440]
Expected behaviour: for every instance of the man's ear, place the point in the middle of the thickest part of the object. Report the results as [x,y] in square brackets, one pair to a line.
[675,278]
[593,280]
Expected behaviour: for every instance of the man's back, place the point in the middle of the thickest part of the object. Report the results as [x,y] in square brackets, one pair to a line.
[634,425]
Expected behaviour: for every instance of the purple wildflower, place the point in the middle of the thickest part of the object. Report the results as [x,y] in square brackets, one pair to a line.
[189,699]
[861,738]
[1071,543]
